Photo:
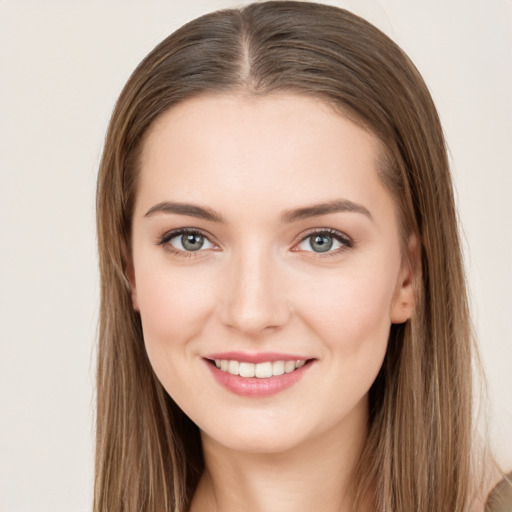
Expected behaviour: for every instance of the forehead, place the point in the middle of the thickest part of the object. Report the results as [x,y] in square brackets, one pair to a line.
[302,117]
[283,146]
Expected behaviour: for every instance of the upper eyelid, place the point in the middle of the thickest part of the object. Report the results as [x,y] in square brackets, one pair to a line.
[164,242]
[168,235]
[330,231]
[346,242]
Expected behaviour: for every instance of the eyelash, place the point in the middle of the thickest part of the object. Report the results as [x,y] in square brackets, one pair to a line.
[167,237]
[344,240]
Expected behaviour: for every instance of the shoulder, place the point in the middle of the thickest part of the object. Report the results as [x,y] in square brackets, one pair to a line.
[500,498]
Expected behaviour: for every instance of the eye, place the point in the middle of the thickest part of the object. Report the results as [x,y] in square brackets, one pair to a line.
[326,241]
[186,241]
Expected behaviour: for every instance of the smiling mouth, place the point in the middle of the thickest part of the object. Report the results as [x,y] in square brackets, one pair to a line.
[262,370]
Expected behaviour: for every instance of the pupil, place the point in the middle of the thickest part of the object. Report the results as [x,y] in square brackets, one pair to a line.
[192,242]
[321,243]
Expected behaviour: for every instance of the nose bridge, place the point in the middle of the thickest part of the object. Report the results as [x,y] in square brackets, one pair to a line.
[255,298]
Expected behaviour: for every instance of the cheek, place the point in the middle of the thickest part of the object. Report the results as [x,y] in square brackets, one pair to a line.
[350,313]
[351,317]
[174,304]
[350,307]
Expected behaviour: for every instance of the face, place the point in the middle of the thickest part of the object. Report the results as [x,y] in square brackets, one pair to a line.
[264,243]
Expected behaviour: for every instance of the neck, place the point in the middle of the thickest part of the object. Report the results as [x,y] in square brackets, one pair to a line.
[318,474]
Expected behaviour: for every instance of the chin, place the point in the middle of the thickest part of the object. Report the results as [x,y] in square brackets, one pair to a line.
[255,441]
[280,433]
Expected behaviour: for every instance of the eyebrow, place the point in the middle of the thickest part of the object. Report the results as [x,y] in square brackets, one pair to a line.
[316,210]
[190,210]
[289,216]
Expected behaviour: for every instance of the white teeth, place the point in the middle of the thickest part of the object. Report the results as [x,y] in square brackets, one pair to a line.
[233,367]
[246,369]
[278,367]
[289,366]
[259,370]
[263,370]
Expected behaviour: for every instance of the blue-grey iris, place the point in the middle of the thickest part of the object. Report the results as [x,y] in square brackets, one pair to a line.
[192,241]
[321,243]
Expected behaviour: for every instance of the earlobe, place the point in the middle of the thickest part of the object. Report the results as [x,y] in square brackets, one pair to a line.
[130,274]
[405,300]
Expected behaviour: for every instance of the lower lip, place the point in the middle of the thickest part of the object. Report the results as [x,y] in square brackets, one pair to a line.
[255,387]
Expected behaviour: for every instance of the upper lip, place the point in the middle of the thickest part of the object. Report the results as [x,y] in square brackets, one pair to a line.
[261,357]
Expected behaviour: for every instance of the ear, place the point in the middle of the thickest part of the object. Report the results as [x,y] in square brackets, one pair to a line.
[404,300]
[130,274]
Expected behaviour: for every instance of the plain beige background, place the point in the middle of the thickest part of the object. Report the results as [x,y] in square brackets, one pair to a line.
[62,65]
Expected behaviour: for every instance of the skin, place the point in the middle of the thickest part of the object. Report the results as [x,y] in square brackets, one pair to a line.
[258,285]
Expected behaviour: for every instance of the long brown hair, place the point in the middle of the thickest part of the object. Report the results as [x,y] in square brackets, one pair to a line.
[418,453]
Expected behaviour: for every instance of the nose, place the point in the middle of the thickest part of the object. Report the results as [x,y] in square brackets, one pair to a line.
[254,300]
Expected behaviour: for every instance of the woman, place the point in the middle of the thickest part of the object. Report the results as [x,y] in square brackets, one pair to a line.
[284,320]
